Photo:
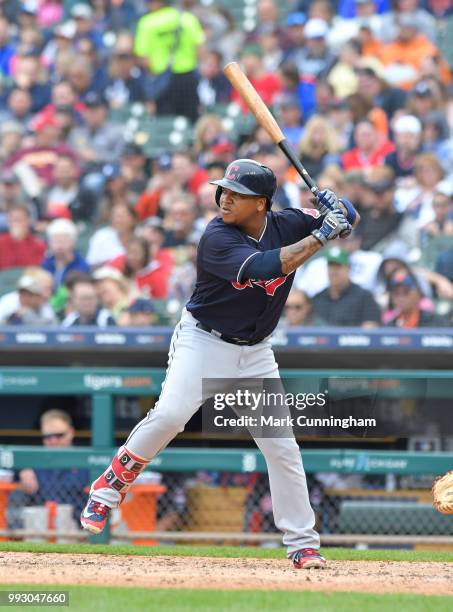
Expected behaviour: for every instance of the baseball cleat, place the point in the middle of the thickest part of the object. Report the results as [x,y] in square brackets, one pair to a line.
[94,516]
[308,558]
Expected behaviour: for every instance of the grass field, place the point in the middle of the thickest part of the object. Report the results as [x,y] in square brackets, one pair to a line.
[100,598]
[335,554]
[97,599]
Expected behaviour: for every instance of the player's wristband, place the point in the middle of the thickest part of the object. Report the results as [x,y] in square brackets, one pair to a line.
[320,237]
[351,214]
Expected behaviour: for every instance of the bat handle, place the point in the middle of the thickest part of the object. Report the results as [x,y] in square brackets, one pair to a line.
[286,148]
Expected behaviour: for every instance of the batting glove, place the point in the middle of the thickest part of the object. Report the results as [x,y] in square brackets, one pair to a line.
[333,225]
[326,201]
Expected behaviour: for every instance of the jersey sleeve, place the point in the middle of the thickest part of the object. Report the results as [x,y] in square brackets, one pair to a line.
[225,255]
[297,223]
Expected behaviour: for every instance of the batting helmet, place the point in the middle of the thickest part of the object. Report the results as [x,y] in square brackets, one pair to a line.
[248,177]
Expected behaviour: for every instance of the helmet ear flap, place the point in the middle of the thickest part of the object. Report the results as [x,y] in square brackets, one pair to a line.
[218,193]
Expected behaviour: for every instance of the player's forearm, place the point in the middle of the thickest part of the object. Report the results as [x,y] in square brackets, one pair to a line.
[294,255]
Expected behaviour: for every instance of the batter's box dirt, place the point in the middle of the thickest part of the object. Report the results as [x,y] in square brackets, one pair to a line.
[222,573]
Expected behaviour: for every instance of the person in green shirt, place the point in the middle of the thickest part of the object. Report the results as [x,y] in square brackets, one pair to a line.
[168,37]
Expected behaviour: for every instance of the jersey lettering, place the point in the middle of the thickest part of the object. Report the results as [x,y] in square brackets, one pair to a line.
[242,286]
[269,286]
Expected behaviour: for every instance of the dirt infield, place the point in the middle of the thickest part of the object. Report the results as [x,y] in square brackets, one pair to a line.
[225,573]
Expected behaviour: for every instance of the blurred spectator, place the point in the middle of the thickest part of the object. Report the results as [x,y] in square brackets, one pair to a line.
[373,87]
[113,291]
[426,24]
[314,59]
[424,98]
[287,194]
[209,131]
[149,274]
[52,484]
[20,247]
[111,241]
[83,15]
[115,190]
[18,107]
[405,296]
[50,12]
[98,141]
[342,77]
[267,84]
[6,48]
[369,150]
[30,74]
[290,118]
[115,15]
[381,224]
[214,87]
[84,307]
[29,305]
[179,221]
[141,313]
[43,152]
[179,55]
[133,166]
[435,132]
[181,282]
[11,194]
[319,146]
[403,56]
[299,310]
[127,82]
[161,183]
[11,134]
[407,131]
[62,257]
[346,28]
[340,117]
[343,303]
[186,174]
[153,232]
[64,198]
[442,224]
[416,197]
[295,40]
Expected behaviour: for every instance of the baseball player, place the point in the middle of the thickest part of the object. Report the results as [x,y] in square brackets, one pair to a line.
[245,268]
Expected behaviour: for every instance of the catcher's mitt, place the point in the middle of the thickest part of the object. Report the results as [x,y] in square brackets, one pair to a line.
[443,493]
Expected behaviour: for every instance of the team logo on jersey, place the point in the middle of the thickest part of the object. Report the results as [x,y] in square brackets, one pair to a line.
[312,212]
[269,286]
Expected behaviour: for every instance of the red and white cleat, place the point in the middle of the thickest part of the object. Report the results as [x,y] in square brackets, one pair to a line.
[308,558]
[94,516]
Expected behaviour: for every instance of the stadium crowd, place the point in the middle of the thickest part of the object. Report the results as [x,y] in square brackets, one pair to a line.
[101,223]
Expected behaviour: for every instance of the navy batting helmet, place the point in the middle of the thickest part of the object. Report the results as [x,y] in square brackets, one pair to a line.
[248,177]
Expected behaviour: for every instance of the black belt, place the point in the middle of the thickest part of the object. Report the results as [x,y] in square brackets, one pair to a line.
[237,341]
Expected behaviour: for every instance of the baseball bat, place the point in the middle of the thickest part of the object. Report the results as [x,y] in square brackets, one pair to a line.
[265,118]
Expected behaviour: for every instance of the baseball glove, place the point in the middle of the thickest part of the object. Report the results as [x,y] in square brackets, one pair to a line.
[443,493]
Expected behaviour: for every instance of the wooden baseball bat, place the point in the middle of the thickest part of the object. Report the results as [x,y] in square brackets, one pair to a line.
[265,118]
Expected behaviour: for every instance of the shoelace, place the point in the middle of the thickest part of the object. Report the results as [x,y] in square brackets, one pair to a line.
[99,508]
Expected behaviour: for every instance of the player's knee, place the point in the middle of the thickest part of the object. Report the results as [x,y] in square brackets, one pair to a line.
[280,449]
